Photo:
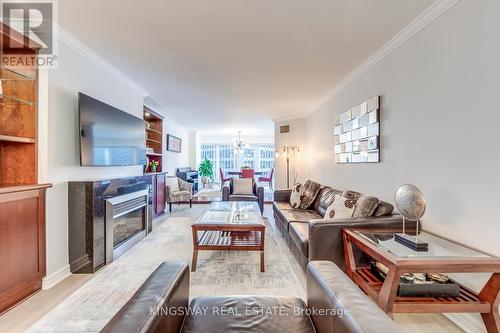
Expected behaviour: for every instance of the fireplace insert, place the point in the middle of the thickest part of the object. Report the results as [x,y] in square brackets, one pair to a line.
[126,222]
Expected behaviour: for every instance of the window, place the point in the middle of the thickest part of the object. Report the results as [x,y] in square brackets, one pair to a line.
[260,157]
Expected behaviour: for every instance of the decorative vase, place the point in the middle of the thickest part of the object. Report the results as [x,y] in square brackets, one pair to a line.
[153,168]
[204,181]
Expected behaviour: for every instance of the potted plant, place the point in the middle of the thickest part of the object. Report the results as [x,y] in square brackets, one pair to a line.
[153,165]
[206,172]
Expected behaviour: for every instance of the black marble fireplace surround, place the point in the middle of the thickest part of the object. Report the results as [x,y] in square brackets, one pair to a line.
[86,216]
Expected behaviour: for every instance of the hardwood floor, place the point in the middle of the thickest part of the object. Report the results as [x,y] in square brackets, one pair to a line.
[34,308]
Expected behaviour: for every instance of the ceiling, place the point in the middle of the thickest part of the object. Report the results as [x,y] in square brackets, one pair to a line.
[220,66]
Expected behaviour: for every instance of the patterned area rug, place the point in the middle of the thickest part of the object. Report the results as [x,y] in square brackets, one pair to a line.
[217,273]
[209,192]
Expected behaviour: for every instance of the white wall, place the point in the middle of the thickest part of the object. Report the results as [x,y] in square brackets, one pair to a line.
[59,147]
[172,160]
[298,136]
[75,74]
[439,118]
[194,149]
[439,123]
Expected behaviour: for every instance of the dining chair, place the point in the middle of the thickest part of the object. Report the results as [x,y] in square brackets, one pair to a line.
[268,179]
[222,179]
[247,173]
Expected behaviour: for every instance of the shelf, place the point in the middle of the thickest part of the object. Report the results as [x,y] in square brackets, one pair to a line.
[10,188]
[154,136]
[16,79]
[17,139]
[153,130]
[467,299]
[18,100]
[224,239]
[156,173]
[22,76]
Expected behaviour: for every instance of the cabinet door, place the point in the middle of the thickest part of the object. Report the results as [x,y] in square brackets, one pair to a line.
[160,194]
[22,245]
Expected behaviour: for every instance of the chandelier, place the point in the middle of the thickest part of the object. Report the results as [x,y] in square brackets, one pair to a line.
[239,143]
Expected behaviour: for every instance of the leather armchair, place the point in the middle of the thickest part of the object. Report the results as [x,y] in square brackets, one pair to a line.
[334,305]
[256,195]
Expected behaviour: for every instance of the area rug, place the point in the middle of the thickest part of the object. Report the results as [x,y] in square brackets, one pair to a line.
[209,193]
[217,273]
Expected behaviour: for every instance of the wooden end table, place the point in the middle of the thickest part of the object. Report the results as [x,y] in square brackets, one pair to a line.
[443,256]
[233,226]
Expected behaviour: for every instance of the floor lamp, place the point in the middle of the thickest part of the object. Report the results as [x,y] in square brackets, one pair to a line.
[289,151]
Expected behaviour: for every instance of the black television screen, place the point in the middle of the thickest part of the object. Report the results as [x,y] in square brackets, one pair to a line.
[109,136]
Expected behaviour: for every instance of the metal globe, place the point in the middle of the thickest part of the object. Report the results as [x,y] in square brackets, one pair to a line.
[410,202]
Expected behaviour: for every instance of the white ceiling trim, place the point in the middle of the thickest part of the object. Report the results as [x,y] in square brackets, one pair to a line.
[68,39]
[434,11]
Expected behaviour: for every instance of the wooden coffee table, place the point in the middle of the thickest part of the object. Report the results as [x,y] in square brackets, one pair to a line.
[443,256]
[233,226]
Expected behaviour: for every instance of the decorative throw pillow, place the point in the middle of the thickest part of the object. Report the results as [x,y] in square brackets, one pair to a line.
[297,191]
[353,195]
[173,183]
[365,206]
[243,186]
[311,190]
[340,208]
[383,209]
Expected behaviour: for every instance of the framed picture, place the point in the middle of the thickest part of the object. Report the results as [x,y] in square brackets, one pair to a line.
[174,144]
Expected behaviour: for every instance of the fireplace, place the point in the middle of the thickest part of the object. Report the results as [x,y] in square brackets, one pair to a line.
[126,222]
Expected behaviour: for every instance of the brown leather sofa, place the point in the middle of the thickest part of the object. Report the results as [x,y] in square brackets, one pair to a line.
[257,195]
[334,305]
[311,237]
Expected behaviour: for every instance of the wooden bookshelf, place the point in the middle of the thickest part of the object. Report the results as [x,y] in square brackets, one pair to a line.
[154,141]
[22,199]
[154,137]
[18,119]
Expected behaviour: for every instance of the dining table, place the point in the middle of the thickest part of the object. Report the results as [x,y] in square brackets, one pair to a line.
[238,173]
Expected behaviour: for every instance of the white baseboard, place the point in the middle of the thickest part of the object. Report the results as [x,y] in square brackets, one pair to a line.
[51,280]
[469,322]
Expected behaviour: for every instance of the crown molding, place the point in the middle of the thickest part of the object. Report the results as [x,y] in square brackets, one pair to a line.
[68,39]
[434,11]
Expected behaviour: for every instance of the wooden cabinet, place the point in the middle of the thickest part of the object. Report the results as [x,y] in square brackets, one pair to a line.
[159,198]
[22,242]
[22,200]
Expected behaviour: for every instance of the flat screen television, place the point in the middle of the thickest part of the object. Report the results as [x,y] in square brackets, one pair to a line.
[109,136]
